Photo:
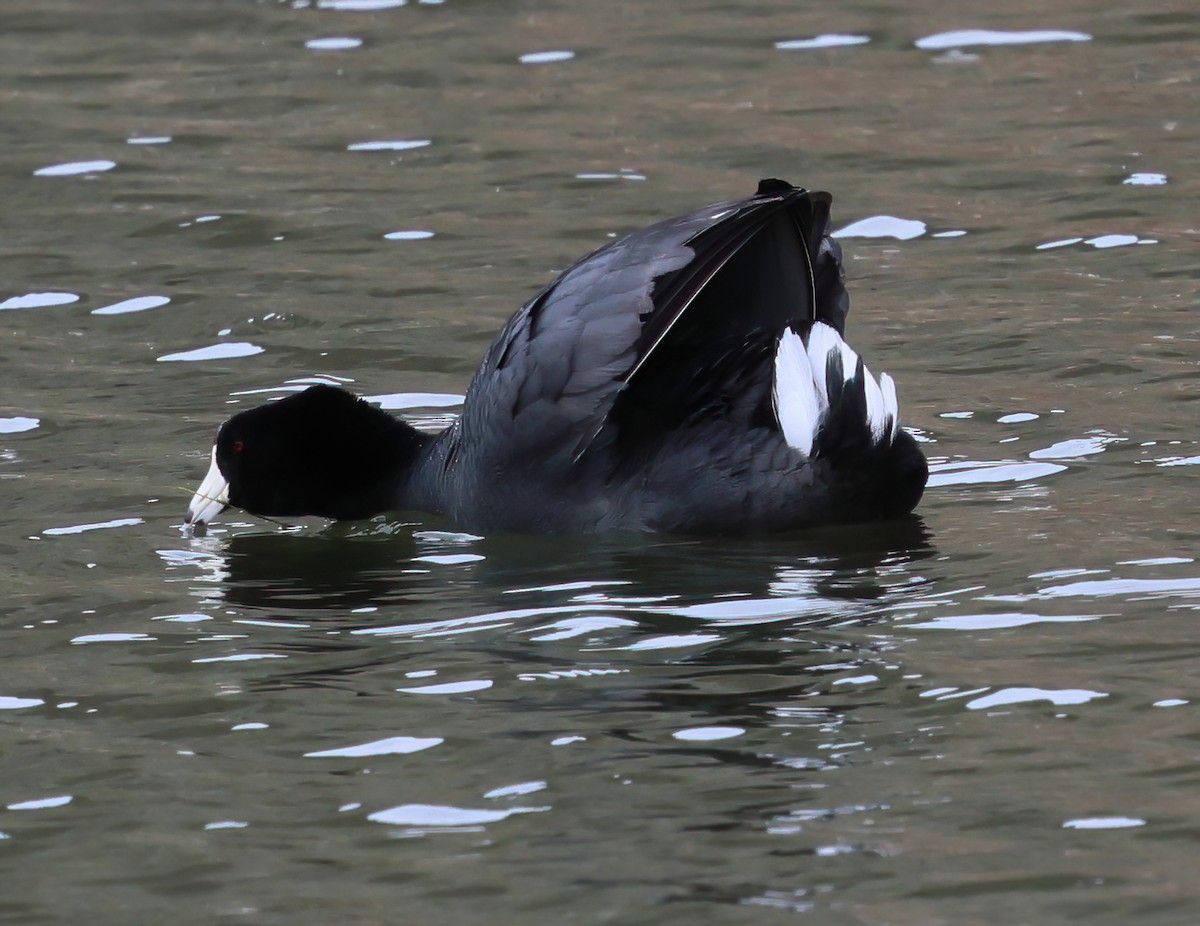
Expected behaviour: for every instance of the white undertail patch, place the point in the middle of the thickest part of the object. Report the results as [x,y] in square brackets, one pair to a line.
[801,394]
[822,342]
[797,405]
[876,409]
[890,404]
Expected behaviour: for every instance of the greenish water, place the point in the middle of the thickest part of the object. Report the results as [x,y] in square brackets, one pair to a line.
[989,716]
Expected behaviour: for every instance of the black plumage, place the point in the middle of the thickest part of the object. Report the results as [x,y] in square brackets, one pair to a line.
[635,392]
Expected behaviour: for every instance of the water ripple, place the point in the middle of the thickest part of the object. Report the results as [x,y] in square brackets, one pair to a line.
[10,703]
[969,473]
[136,304]
[825,40]
[998,621]
[883,226]
[438,816]
[226,350]
[75,168]
[392,746]
[963,38]
[546,57]
[18,424]
[37,301]
[42,803]
[1103,823]
[396,145]
[1060,697]
[333,43]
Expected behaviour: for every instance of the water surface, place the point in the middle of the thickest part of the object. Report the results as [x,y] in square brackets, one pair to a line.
[984,715]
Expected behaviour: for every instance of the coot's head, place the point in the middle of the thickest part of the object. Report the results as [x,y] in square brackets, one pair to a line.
[319,452]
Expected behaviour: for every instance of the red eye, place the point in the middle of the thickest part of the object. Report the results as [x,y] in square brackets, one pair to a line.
[238,446]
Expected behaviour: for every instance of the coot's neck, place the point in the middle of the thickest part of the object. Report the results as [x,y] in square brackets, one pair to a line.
[387,471]
[419,463]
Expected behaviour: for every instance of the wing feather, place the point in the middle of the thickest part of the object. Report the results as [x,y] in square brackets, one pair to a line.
[647,331]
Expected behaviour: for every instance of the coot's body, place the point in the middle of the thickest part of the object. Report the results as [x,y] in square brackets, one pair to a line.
[690,377]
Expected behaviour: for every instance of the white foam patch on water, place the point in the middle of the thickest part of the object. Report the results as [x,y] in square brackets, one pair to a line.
[963,38]
[149,140]
[9,703]
[949,474]
[998,621]
[546,57]
[42,803]
[1170,702]
[1103,823]
[1157,561]
[1060,697]
[707,734]
[75,167]
[38,300]
[137,304]
[99,525]
[392,746]
[1017,418]
[479,684]
[333,43]
[883,226]
[226,825]
[442,815]
[825,40]
[226,350]
[18,424]
[396,145]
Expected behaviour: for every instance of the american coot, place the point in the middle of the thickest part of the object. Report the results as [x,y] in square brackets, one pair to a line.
[690,377]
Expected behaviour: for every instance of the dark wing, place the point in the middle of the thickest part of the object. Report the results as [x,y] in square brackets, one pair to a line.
[646,332]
